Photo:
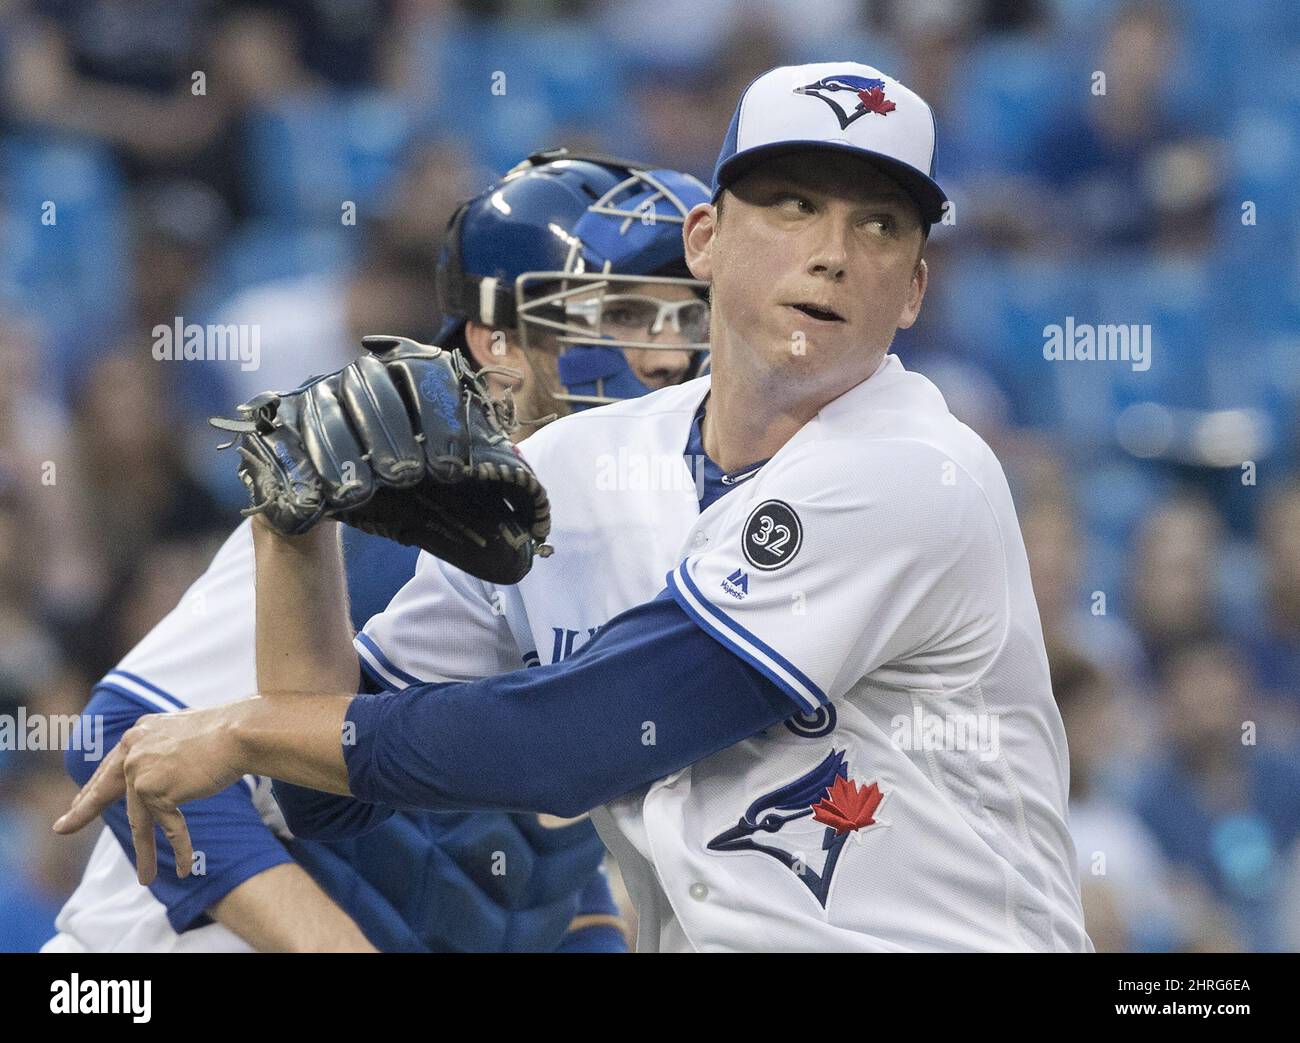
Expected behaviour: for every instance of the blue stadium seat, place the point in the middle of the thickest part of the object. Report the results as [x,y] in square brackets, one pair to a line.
[307,155]
[1107,567]
[72,273]
[266,251]
[583,79]
[1116,493]
[1259,23]
[1263,149]
[1008,91]
[499,127]
[1082,20]
[1240,589]
[996,310]
[959,296]
[1174,299]
[1256,267]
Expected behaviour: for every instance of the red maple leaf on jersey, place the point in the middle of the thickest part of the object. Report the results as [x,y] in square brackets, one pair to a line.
[874,100]
[848,806]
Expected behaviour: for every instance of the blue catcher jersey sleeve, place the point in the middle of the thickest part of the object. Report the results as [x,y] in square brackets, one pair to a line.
[844,555]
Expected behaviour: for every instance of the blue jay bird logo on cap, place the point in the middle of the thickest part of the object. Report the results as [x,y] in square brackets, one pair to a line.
[869,91]
[781,822]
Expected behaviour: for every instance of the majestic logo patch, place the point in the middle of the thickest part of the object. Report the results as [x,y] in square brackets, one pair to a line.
[807,821]
[737,584]
[773,535]
[868,93]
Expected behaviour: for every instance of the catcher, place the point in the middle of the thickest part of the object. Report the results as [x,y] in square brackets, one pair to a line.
[420,881]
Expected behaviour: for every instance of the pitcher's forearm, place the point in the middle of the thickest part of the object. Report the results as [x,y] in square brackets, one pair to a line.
[304,634]
[298,739]
[284,910]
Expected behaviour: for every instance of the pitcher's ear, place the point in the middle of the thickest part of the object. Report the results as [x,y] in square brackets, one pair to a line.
[911,309]
[697,240]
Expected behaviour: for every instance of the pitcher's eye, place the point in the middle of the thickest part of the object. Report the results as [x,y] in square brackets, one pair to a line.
[794,203]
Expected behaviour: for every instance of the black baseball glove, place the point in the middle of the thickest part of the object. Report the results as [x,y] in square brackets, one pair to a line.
[406,443]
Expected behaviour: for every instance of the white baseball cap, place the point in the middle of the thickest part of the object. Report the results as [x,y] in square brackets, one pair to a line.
[842,106]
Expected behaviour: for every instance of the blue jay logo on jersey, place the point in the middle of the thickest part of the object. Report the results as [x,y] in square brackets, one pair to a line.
[867,93]
[737,584]
[805,824]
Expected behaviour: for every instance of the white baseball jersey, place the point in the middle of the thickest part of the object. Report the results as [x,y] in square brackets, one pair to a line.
[874,570]
[201,654]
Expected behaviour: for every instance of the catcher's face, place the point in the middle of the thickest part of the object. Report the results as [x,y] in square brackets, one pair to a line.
[813,267]
[533,379]
[669,317]
[661,326]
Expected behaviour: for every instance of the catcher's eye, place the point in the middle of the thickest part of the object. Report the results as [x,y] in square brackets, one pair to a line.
[634,317]
[630,317]
[629,311]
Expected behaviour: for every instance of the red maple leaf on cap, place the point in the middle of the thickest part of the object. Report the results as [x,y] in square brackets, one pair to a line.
[848,806]
[874,100]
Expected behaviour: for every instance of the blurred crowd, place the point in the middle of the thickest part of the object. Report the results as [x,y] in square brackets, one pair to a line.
[289,166]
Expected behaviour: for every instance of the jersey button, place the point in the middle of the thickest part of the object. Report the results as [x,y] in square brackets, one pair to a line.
[700,539]
[699,891]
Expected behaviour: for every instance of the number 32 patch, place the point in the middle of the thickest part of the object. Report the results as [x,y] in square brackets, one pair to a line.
[773,535]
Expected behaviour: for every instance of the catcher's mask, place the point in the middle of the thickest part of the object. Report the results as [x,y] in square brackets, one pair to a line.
[584,252]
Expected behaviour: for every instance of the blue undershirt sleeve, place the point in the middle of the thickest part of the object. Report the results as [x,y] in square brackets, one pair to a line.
[226,829]
[650,694]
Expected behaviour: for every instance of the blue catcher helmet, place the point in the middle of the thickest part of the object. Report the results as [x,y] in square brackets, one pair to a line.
[569,252]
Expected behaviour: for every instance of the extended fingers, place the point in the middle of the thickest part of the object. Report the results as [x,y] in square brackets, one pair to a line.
[122,775]
[147,807]
[177,832]
[106,786]
[146,852]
